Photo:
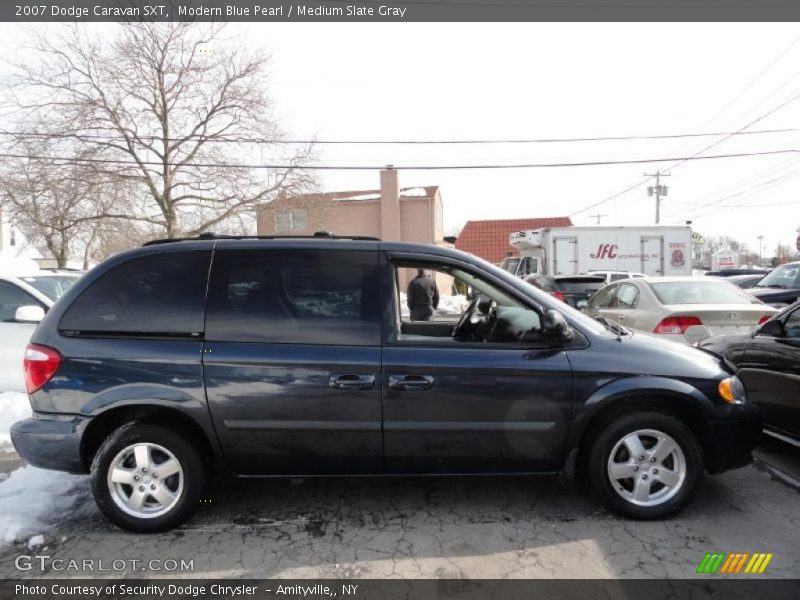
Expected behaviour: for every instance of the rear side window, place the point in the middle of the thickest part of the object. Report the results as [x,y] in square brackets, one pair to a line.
[603,298]
[294,297]
[154,295]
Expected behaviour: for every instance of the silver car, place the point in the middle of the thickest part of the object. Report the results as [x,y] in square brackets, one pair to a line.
[682,309]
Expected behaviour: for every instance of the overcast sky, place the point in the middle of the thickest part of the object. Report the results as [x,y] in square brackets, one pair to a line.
[456,81]
[490,81]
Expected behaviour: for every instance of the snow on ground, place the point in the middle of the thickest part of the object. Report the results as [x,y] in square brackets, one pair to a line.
[33,500]
[14,406]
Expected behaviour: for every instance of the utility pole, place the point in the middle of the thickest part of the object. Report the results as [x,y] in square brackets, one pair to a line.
[760,256]
[597,216]
[657,190]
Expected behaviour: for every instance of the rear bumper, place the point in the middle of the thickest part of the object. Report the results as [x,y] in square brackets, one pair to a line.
[731,442]
[51,442]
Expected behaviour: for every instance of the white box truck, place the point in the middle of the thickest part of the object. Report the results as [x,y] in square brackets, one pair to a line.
[652,250]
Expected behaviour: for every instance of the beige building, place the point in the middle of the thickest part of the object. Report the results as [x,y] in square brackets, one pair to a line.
[390,213]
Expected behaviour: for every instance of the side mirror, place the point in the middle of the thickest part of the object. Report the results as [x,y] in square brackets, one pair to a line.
[773,328]
[29,314]
[555,329]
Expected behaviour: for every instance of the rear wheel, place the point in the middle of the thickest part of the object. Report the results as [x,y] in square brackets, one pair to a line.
[147,478]
[645,465]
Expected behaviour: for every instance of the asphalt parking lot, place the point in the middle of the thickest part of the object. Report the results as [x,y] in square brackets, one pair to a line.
[516,527]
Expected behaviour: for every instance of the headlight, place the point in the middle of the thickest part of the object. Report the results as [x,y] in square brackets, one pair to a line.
[732,391]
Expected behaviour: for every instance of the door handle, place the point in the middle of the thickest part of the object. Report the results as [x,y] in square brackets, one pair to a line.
[410,383]
[352,381]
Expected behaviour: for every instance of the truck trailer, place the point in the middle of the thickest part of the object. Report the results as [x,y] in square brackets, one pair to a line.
[655,250]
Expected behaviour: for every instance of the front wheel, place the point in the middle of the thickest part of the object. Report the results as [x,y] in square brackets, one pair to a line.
[147,478]
[645,465]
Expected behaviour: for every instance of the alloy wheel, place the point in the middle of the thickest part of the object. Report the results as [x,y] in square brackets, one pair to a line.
[145,480]
[647,467]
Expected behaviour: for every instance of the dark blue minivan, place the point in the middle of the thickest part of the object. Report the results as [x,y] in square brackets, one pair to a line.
[295,357]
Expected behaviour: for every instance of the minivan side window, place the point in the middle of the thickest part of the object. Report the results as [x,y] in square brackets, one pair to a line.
[294,297]
[153,295]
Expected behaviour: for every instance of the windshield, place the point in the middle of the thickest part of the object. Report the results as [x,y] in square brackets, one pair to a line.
[700,292]
[52,286]
[785,276]
[565,309]
[510,265]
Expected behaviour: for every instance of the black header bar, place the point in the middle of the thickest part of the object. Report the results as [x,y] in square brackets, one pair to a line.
[399,10]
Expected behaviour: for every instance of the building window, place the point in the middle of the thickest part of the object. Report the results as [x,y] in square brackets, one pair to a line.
[291,220]
[13,240]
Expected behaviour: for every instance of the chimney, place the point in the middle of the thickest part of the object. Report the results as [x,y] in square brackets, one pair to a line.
[390,205]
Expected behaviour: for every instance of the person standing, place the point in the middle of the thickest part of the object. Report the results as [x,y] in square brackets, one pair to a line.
[422,296]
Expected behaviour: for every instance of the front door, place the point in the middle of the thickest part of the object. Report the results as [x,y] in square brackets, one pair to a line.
[770,371]
[479,403]
[292,360]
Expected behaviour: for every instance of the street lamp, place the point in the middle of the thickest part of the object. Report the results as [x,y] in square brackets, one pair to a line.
[760,258]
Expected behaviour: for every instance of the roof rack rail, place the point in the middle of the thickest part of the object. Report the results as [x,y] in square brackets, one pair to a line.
[215,236]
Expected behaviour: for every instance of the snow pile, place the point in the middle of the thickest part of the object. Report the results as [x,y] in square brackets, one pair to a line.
[448,305]
[414,193]
[32,500]
[14,406]
[360,198]
[452,305]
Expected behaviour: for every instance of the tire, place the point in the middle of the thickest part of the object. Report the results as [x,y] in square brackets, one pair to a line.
[148,504]
[649,483]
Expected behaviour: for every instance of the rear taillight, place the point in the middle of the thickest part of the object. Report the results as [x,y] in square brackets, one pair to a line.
[764,319]
[676,324]
[558,295]
[40,364]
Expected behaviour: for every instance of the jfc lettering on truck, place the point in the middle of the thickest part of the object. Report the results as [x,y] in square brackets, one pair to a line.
[612,251]
[606,251]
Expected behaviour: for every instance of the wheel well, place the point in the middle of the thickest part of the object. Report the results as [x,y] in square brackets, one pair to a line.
[101,426]
[683,409]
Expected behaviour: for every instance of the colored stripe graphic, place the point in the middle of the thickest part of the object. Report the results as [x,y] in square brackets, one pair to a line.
[758,563]
[711,562]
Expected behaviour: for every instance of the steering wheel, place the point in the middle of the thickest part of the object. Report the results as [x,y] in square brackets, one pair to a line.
[466,317]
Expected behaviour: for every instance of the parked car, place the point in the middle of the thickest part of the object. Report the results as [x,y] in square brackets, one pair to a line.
[23,302]
[289,357]
[745,281]
[735,272]
[769,366]
[612,276]
[780,287]
[682,309]
[575,290]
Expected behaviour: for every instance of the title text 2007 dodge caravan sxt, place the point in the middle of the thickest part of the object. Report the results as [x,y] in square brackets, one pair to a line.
[292,357]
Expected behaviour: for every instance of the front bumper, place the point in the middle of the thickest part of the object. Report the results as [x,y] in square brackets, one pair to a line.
[51,442]
[731,442]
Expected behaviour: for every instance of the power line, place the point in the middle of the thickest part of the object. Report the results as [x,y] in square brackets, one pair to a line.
[696,156]
[250,140]
[727,136]
[77,160]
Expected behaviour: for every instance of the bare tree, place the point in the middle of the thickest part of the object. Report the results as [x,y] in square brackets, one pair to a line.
[784,253]
[172,108]
[60,207]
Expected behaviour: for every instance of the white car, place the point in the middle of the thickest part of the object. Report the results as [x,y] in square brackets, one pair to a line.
[23,301]
[682,309]
[612,276]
